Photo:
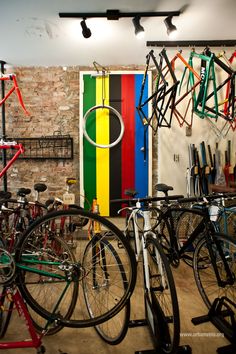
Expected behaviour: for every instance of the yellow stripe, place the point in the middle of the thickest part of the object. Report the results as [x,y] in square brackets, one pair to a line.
[102,137]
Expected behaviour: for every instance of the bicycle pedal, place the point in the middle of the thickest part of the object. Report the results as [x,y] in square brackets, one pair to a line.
[184,349]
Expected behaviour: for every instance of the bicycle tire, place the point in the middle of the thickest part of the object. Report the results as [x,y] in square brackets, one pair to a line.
[164,234]
[5,312]
[32,286]
[163,298]
[186,224]
[75,272]
[205,276]
[114,330]
[83,221]
[226,222]
[116,113]
[119,324]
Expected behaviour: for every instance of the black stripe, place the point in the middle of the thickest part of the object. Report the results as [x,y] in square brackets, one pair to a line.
[115,152]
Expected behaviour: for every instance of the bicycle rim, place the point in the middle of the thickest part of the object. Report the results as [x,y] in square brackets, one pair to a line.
[5,312]
[114,330]
[108,272]
[164,234]
[206,278]
[186,224]
[227,221]
[42,292]
[163,297]
[72,273]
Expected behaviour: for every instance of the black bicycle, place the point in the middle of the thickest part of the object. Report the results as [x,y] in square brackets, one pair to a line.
[212,256]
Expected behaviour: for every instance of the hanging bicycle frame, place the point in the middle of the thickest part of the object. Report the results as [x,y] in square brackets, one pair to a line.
[185,118]
[163,96]
[208,74]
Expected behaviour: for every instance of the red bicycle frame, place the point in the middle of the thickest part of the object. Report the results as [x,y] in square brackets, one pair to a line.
[14,88]
[11,145]
[36,340]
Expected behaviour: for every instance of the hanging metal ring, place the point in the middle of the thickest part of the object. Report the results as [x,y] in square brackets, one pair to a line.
[117,114]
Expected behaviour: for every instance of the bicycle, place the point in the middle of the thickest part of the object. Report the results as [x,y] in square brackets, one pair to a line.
[212,256]
[49,279]
[13,296]
[12,299]
[17,214]
[161,303]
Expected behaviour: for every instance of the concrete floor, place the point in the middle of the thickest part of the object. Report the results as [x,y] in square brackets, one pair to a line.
[203,339]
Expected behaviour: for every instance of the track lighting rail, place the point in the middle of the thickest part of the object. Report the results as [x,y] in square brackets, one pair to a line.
[116,14]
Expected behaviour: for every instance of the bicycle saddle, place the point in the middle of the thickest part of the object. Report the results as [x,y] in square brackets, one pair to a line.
[130,192]
[162,187]
[5,195]
[40,187]
[22,192]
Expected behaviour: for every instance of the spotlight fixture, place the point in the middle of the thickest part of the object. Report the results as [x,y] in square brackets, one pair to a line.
[138,29]
[85,30]
[114,15]
[171,29]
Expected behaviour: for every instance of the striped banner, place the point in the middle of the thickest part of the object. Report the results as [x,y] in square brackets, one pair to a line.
[108,172]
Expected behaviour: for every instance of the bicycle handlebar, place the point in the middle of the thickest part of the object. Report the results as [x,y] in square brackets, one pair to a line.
[207,198]
[179,198]
[146,199]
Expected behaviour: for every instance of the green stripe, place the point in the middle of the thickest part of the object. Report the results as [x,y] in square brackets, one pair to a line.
[89,100]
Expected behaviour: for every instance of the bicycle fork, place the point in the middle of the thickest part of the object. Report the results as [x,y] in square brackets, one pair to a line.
[161,275]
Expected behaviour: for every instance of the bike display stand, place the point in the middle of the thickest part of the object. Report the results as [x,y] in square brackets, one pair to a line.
[154,323]
[183,349]
[214,312]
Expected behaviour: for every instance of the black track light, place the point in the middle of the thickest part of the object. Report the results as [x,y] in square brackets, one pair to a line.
[138,29]
[85,30]
[171,29]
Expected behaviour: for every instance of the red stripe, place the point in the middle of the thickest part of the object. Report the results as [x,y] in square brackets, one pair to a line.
[128,141]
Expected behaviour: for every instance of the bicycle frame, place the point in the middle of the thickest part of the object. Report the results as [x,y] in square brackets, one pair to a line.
[36,340]
[15,87]
[220,210]
[11,145]
[204,224]
[140,242]
[193,85]
[161,93]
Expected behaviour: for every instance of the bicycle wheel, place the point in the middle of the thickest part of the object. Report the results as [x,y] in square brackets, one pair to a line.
[67,276]
[5,311]
[227,221]
[162,298]
[46,254]
[7,277]
[223,250]
[186,224]
[164,233]
[108,271]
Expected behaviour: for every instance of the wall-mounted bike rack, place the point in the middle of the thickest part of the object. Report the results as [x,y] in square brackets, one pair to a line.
[47,147]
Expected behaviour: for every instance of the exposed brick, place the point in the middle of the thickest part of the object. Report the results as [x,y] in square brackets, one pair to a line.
[51,94]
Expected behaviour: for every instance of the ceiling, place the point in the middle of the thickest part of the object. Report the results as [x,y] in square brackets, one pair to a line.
[34,35]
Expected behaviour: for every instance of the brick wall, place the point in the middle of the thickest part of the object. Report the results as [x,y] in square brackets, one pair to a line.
[51,94]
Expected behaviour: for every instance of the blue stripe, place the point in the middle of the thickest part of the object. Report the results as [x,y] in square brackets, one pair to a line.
[141,166]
